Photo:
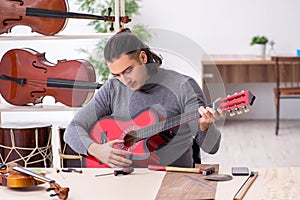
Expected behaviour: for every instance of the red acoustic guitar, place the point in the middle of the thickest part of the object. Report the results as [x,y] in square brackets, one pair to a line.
[141,136]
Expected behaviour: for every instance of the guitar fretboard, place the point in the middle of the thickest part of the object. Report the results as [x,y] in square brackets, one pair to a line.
[168,124]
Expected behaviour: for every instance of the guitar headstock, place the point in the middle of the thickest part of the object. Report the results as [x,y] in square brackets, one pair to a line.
[236,103]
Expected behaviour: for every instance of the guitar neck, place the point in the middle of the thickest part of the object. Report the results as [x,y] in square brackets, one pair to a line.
[238,103]
[38,12]
[33,174]
[168,124]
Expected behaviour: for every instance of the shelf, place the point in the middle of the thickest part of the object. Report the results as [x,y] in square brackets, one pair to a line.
[36,108]
[55,37]
[235,60]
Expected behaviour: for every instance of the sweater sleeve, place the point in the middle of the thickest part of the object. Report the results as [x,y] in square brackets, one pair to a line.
[208,140]
[77,132]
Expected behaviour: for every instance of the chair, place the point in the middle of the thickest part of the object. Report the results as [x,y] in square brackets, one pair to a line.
[196,152]
[68,157]
[287,81]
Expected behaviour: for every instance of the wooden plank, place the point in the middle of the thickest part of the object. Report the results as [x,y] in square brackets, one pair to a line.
[236,60]
[281,183]
[240,73]
[176,186]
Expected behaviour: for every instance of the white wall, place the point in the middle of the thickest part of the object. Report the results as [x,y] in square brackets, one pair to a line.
[227,27]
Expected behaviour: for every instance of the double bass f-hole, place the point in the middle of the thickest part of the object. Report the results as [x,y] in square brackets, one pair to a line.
[32,94]
[37,92]
[6,21]
[38,67]
[21,2]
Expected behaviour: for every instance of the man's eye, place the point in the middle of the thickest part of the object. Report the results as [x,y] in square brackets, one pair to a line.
[128,70]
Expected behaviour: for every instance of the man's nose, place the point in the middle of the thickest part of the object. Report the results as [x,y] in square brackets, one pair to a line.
[125,78]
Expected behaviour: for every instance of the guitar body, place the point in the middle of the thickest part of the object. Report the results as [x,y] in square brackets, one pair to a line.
[111,128]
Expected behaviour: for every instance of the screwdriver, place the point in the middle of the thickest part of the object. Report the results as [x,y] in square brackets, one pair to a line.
[123,171]
[72,170]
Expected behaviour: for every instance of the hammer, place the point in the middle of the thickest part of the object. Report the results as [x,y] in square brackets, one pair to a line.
[204,172]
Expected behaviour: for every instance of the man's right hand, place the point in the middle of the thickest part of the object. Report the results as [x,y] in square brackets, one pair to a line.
[106,153]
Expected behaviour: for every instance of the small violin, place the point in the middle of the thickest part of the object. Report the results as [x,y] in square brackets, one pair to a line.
[19,177]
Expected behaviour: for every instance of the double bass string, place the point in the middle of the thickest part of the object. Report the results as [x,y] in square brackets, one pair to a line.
[39,12]
[65,84]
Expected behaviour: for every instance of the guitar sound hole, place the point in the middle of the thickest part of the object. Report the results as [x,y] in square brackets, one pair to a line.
[130,139]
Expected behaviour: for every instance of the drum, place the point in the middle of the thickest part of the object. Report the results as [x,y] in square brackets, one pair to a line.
[27,144]
[68,157]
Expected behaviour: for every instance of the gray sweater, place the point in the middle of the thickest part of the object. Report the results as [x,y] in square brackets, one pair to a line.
[169,93]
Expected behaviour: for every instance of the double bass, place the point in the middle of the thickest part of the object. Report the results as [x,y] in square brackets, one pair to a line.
[26,77]
[44,17]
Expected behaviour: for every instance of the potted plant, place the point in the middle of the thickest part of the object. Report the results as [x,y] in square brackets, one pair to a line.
[260,43]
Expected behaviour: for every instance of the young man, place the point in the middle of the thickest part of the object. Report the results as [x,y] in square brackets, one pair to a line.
[140,84]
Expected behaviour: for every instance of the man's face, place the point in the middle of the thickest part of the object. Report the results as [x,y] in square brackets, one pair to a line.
[130,72]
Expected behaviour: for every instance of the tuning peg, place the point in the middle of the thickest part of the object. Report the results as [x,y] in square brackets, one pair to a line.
[231,113]
[49,189]
[53,195]
[112,27]
[109,10]
[238,111]
[246,109]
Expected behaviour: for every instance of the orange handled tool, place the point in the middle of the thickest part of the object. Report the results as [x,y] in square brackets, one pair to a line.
[204,172]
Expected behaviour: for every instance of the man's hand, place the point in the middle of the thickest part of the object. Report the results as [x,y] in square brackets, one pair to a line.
[208,115]
[106,153]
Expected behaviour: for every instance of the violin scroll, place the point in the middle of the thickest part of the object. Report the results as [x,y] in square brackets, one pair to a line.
[61,192]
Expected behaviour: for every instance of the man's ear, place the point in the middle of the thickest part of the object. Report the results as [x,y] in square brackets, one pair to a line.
[143,57]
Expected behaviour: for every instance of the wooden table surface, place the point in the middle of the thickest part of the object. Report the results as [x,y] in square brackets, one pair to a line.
[236,59]
[272,183]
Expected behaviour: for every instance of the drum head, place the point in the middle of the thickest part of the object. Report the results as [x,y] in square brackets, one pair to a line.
[24,125]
